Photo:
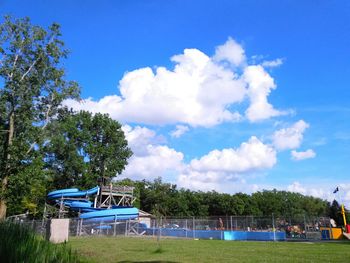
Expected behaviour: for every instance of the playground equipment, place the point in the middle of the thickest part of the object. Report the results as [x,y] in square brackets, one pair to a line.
[106,204]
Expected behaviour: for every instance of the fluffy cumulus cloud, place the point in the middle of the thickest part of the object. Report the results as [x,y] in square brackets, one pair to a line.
[159,161]
[323,191]
[290,137]
[298,156]
[319,192]
[231,51]
[199,91]
[249,156]
[260,84]
[150,159]
[227,165]
[345,192]
[224,170]
[297,188]
[179,131]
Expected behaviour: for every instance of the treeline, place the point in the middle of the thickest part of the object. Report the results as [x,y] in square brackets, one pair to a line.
[165,199]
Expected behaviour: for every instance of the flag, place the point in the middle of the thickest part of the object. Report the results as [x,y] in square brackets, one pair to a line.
[336,190]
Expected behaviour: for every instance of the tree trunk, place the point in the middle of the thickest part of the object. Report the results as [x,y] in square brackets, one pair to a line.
[3,205]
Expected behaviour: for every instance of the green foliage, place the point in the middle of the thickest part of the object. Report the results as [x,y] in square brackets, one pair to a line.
[164,199]
[83,148]
[334,211]
[33,87]
[27,189]
[19,244]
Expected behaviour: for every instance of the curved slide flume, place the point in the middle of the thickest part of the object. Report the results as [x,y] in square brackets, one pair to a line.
[72,192]
[111,214]
[86,206]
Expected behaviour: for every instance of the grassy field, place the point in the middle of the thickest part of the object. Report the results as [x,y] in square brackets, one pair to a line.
[110,249]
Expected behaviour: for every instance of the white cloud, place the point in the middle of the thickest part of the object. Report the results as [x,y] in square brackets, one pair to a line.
[223,170]
[150,160]
[323,191]
[215,181]
[320,192]
[344,190]
[179,131]
[297,188]
[218,168]
[139,138]
[199,91]
[260,84]
[298,156]
[249,156]
[289,138]
[231,51]
[272,63]
[159,161]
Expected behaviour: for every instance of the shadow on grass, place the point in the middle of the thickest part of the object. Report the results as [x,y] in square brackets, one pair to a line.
[158,251]
[150,261]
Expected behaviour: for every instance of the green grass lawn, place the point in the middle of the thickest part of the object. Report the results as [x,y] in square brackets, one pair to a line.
[134,249]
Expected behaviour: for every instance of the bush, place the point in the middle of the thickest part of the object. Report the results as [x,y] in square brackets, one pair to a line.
[21,244]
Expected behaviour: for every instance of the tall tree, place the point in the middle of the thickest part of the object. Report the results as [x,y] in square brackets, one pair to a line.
[83,148]
[334,212]
[32,86]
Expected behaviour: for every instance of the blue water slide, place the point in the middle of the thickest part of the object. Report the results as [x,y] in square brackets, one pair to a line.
[73,192]
[112,214]
[63,191]
[81,204]
[86,206]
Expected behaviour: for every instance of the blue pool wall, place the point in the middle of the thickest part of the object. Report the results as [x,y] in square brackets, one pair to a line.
[218,234]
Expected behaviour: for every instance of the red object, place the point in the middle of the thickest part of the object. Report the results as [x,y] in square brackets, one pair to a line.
[347,228]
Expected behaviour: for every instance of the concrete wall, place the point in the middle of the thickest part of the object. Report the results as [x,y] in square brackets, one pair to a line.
[57,230]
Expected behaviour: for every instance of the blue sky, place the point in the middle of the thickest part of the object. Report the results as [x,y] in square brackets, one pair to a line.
[259,100]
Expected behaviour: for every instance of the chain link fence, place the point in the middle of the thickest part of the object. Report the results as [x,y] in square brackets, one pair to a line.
[225,227]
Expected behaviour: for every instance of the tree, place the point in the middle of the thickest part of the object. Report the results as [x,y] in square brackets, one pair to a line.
[334,212]
[81,148]
[108,150]
[32,88]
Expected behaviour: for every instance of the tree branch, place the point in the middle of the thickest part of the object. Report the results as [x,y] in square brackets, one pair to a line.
[10,75]
[16,58]
[30,68]
[47,118]
[35,61]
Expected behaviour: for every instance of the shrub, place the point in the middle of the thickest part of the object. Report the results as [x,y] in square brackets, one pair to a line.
[20,244]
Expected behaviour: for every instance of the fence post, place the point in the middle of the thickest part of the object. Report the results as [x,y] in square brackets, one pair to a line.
[273,227]
[186,227]
[231,223]
[161,225]
[99,232]
[115,225]
[77,222]
[80,226]
[194,228]
[305,225]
